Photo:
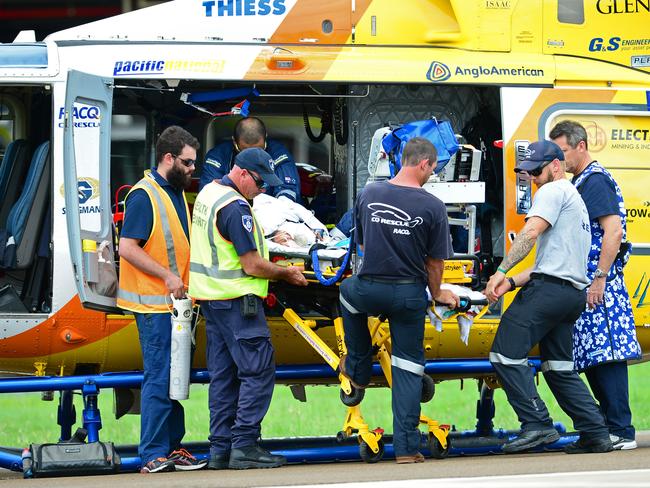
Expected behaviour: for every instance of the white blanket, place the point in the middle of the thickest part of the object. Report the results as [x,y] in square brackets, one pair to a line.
[284,215]
[302,229]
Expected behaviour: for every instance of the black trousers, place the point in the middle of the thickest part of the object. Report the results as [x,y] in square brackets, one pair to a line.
[609,383]
[405,307]
[241,365]
[543,312]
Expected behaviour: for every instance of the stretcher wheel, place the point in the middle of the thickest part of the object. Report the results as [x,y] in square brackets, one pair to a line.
[436,448]
[428,389]
[354,398]
[368,455]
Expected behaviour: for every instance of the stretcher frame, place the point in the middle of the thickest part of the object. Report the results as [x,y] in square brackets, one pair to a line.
[371,446]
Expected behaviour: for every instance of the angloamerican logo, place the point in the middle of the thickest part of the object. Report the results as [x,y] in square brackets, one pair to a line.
[438,72]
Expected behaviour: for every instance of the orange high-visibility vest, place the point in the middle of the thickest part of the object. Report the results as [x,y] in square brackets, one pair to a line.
[167,245]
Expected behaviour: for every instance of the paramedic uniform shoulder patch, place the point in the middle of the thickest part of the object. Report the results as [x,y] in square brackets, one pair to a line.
[247,222]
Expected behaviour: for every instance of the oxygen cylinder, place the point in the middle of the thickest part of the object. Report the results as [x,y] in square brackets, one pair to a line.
[181,349]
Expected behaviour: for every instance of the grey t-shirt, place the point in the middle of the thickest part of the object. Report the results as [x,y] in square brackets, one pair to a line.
[563,248]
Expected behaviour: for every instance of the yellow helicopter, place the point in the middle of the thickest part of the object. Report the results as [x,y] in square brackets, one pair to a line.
[80,111]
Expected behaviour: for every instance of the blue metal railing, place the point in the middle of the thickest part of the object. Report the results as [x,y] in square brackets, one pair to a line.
[297,450]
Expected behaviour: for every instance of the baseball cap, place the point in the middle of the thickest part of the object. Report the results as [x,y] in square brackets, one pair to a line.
[258,160]
[538,153]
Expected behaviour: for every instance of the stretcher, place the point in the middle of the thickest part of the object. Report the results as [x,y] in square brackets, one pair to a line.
[304,308]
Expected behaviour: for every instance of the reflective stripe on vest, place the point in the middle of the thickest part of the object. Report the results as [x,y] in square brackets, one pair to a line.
[210,278]
[138,291]
[167,231]
[213,271]
[143,299]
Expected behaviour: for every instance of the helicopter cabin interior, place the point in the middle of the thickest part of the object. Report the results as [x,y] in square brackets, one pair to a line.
[327,127]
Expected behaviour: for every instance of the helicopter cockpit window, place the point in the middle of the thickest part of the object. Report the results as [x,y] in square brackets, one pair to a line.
[128,150]
[571,11]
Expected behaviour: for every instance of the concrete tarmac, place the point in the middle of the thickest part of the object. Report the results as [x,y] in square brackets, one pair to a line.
[547,469]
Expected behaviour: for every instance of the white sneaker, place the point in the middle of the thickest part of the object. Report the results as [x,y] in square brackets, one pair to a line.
[621,444]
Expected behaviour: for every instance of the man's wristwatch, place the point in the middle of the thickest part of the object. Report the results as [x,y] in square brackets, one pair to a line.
[513,285]
[599,273]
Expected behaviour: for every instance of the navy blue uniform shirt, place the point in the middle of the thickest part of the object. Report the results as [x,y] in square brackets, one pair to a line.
[235,223]
[599,195]
[138,219]
[399,227]
[220,159]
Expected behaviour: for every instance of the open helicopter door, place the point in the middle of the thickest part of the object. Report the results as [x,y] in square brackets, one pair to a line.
[86,151]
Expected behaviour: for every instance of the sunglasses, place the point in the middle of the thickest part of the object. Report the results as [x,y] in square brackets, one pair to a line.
[186,162]
[259,182]
[537,171]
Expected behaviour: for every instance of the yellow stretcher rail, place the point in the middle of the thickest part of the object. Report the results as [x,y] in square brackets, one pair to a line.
[459,271]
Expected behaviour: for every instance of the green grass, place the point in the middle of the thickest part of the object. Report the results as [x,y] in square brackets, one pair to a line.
[24,418]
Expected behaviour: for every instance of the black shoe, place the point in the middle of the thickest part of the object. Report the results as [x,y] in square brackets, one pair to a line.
[621,443]
[184,461]
[251,457]
[529,439]
[219,461]
[159,465]
[583,446]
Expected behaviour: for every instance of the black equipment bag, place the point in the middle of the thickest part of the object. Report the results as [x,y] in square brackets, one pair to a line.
[74,458]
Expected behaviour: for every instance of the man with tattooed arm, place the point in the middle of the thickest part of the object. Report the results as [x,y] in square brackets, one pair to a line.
[551,298]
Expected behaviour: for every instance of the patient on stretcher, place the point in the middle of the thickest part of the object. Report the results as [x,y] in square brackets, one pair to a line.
[287,225]
[298,238]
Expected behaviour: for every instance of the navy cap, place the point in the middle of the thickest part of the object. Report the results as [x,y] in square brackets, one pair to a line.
[261,162]
[538,153]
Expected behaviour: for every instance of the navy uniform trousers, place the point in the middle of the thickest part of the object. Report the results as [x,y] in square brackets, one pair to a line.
[544,312]
[241,365]
[404,305]
[609,382]
[162,420]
